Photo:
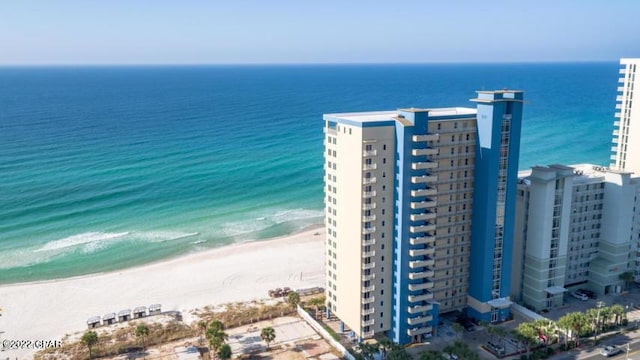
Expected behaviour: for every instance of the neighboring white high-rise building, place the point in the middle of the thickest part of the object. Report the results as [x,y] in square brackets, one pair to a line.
[576,225]
[626,135]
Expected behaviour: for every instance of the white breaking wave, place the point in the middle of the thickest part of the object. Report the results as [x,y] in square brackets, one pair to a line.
[265,219]
[79,239]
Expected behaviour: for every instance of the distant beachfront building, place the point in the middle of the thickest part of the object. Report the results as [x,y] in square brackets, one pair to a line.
[404,243]
[577,225]
[626,135]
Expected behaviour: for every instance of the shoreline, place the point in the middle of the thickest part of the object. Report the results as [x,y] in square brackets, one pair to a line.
[169,258]
[49,309]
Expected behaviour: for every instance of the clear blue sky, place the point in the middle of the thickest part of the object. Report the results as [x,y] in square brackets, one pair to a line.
[322,31]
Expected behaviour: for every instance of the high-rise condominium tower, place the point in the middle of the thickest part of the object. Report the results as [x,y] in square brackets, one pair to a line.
[626,136]
[404,243]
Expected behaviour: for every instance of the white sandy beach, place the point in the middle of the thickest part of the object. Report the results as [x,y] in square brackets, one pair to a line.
[242,272]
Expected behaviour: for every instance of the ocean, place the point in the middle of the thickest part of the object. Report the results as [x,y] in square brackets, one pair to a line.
[103,168]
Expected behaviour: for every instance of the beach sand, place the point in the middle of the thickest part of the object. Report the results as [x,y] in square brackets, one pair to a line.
[242,272]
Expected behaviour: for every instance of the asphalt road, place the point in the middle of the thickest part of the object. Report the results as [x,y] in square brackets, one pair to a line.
[634,352]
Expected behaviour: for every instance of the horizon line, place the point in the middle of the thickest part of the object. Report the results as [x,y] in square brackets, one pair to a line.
[203,64]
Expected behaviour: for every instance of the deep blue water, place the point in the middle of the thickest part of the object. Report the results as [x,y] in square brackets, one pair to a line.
[108,167]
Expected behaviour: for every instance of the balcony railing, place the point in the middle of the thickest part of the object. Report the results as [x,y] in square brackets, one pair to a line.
[368,334]
[369,242]
[419,320]
[368,322]
[424,179]
[424,152]
[367,167]
[423,297]
[368,288]
[368,300]
[368,194]
[421,252]
[368,266]
[367,181]
[422,216]
[421,274]
[421,263]
[419,331]
[369,254]
[420,309]
[367,153]
[368,277]
[369,206]
[423,192]
[422,228]
[422,286]
[368,218]
[368,311]
[428,239]
[424,165]
[423,204]
[429,137]
[368,230]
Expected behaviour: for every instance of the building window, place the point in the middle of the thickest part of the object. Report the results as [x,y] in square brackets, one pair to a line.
[384,147]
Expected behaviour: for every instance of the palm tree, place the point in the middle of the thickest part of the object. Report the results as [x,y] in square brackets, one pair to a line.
[89,339]
[385,346]
[618,312]
[225,352]
[458,329]
[528,334]
[368,351]
[318,303]
[462,350]
[628,278]
[216,335]
[142,330]
[398,352]
[293,299]
[268,334]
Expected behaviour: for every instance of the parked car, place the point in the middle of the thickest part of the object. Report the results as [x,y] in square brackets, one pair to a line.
[579,295]
[589,293]
[610,350]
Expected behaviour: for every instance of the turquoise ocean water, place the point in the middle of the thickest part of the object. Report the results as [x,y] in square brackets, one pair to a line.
[103,168]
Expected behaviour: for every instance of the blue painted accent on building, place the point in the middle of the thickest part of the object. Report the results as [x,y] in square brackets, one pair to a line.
[492,107]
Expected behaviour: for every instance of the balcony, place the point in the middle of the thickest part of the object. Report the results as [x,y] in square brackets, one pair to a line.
[368,167]
[368,206]
[368,230]
[614,148]
[423,192]
[421,252]
[618,106]
[369,242]
[619,98]
[428,239]
[368,277]
[421,274]
[368,288]
[368,153]
[613,157]
[368,311]
[419,320]
[369,254]
[421,263]
[616,132]
[368,334]
[429,137]
[423,204]
[620,89]
[622,71]
[423,297]
[422,216]
[616,123]
[617,115]
[419,331]
[368,300]
[367,181]
[422,228]
[368,194]
[369,218]
[621,80]
[369,322]
[424,165]
[368,266]
[424,152]
[420,309]
[424,179]
[422,286]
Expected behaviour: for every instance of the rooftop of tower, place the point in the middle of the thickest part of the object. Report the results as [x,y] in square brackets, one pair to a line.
[373,116]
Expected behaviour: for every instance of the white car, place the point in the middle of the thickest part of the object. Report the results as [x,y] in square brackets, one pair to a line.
[580,296]
[610,351]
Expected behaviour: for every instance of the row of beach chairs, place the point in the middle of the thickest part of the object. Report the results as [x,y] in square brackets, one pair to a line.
[123,316]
